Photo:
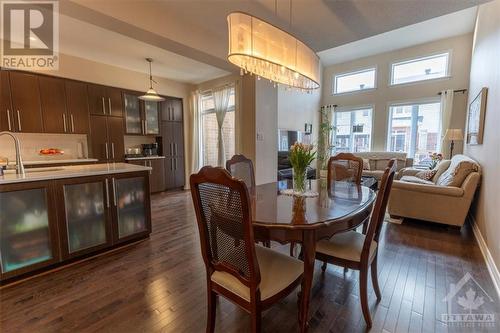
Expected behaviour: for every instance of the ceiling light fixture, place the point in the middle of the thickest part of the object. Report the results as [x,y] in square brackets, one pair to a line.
[151,94]
[262,49]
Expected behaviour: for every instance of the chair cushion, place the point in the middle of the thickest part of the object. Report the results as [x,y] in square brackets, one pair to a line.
[416,180]
[460,167]
[277,271]
[346,245]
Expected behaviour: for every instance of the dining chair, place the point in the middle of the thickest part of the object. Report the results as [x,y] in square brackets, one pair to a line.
[242,168]
[345,167]
[251,276]
[359,251]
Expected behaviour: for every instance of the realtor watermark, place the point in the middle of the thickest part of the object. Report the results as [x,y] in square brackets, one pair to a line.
[30,34]
[466,302]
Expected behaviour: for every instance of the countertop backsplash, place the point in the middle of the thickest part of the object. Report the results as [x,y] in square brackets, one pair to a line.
[73,145]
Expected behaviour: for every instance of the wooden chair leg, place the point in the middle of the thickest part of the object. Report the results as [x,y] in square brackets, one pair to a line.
[292,247]
[375,279]
[211,306]
[323,267]
[267,243]
[363,295]
[256,318]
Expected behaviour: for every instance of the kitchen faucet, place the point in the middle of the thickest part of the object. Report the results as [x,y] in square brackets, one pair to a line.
[19,160]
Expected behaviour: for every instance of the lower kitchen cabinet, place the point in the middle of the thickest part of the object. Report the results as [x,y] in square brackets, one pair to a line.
[156,175]
[174,172]
[48,222]
[131,207]
[28,228]
[85,215]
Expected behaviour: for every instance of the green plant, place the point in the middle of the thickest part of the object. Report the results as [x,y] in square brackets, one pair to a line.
[325,145]
[301,156]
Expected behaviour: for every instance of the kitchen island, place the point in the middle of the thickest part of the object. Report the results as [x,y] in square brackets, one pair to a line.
[53,216]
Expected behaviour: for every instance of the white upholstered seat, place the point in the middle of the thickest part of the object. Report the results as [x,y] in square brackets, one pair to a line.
[277,272]
[346,245]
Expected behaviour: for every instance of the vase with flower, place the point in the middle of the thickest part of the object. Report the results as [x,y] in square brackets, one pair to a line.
[301,156]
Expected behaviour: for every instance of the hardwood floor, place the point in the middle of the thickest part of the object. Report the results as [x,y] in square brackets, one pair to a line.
[158,285]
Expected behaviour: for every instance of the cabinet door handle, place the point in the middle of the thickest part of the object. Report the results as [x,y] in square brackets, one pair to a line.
[172,164]
[175,164]
[109,104]
[103,106]
[151,166]
[64,123]
[107,151]
[19,121]
[112,150]
[107,192]
[145,127]
[8,120]
[172,114]
[176,149]
[72,123]
[114,191]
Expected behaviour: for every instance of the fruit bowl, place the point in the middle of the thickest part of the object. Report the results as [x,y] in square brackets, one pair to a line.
[51,152]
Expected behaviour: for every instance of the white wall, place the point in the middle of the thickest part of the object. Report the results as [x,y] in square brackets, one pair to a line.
[384,94]
[485,72]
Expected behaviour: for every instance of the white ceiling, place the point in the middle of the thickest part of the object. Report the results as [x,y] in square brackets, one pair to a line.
[445,26]
[91,42]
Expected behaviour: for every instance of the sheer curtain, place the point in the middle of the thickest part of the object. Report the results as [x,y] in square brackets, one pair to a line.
[446,112]
[195,127]
[221,105]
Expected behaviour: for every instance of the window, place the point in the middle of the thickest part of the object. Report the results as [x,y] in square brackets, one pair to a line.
[353,130]
[209,149]
[354,81]
[415,129]
[420,69]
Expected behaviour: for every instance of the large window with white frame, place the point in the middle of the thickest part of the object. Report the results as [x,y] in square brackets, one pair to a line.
[209,129]
[355,81]
[421,69]
[353,129]
[415,128]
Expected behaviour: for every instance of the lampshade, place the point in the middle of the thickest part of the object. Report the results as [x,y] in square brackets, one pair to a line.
[454,134]
[151,95]
[267,51]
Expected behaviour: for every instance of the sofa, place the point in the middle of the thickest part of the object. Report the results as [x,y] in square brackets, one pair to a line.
[374,163]
[444,198]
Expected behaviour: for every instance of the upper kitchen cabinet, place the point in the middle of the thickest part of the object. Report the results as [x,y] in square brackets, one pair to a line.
[133,118]
[53,101]
[77,107]
[6,112]
[105,100]
[171,109]
[26,104]
[141,117]
[106,138]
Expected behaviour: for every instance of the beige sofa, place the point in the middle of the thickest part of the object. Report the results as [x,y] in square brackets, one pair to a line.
[377,162]
[445,198]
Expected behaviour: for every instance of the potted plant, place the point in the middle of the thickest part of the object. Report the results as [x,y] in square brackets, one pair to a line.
[325,139]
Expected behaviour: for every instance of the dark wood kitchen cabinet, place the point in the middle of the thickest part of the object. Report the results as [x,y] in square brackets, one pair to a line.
[53,102]
[105,100]
[172,133]
[141,117]
[26,104]
[6,112]
[106,138]
[156,174]
[171,109]
[77,107]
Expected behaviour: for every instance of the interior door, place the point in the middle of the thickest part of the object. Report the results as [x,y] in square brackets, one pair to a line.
[114,102]
[99,138]
[116,132]
[97,99]
[26,103]
[77,106]
[53,99]
[6,112]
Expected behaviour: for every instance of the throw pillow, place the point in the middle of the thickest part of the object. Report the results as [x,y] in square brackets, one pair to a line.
[426,174]
[459,169]
[366,164]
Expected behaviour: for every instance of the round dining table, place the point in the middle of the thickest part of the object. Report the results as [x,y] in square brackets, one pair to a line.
[326,208]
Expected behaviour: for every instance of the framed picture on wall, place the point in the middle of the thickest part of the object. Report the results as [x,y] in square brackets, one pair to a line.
[475,118]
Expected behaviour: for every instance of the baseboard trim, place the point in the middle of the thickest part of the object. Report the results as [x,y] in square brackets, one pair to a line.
[490,263]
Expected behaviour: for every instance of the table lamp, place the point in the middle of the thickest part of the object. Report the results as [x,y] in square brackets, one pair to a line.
[453,134]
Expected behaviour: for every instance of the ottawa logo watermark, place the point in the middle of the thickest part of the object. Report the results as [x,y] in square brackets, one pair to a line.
[466,302]
[30,35]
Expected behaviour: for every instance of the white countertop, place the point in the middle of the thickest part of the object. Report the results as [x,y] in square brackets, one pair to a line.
[56,161]
[70,171]
[143,158]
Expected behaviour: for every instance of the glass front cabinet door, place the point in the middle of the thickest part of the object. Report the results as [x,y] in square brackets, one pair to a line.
[151,110]
[28,228]
[86,221]
[133,119]
[131,207]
